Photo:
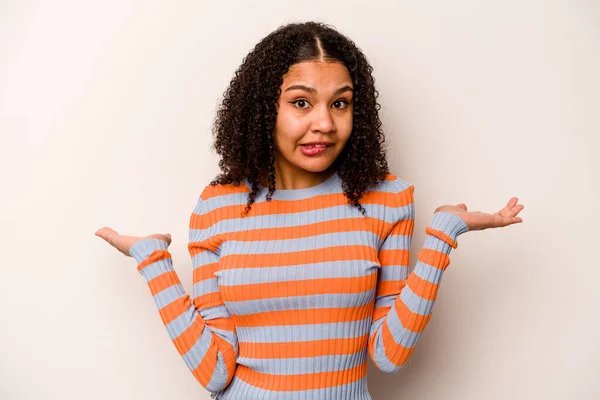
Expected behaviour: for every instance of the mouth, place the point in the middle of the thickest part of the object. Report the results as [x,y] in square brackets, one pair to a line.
[314,149]
[317,145]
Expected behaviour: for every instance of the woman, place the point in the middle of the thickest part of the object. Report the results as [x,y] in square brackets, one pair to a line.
[300,247]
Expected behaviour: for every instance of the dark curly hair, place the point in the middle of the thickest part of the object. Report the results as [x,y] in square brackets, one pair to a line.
[245,120]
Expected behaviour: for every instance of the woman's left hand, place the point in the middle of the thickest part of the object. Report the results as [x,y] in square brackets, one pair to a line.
[477,220]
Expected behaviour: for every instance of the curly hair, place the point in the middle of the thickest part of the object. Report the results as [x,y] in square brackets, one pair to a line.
[245,120]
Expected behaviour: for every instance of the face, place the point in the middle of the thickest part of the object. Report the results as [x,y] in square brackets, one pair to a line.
[315,105]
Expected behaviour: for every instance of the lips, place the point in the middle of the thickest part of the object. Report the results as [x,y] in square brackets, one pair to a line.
[317,144]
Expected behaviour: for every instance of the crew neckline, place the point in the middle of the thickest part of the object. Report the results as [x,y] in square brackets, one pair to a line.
[293,194]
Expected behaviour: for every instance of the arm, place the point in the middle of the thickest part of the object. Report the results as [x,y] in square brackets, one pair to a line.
[202,330]
[404,302]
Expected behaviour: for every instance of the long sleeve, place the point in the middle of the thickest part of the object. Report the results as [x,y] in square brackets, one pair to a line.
[404,302]
[202,330]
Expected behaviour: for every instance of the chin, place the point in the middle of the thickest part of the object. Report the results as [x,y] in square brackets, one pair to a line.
[316,167]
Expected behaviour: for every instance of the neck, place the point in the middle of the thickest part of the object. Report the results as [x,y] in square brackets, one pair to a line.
[298,178]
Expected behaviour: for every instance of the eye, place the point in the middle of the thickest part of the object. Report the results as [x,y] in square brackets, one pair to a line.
[341,104]
[300,103]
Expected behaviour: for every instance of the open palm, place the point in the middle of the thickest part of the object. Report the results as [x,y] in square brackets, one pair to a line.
[477,220]
[123,243]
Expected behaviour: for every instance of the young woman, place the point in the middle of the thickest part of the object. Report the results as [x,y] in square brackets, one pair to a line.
[300,247]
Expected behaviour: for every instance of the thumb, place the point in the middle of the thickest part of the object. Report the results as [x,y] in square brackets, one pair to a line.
[107,234]
[162,236]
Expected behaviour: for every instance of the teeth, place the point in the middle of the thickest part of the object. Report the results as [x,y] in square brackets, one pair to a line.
[314,145]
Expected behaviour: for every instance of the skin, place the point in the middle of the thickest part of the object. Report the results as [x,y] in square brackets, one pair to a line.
[316,105]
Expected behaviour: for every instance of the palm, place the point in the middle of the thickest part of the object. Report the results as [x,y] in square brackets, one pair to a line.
[477,220]
[123,243]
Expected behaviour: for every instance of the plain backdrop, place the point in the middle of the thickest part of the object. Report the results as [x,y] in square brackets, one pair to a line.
[106,110]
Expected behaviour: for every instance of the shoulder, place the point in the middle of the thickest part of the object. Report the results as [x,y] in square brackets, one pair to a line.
[399,196]
[395,183]
[216,191]
[397,191]
[217,196]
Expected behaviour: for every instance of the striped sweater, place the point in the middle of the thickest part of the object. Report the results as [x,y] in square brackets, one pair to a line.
[288,300]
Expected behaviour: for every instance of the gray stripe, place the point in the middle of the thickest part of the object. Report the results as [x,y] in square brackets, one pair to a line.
[316,242]
[322,270]
[239,389]
[290,333]
[291,220]
[330,300]
[304,365]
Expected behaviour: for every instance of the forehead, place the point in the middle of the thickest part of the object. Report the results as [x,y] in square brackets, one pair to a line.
[318,73]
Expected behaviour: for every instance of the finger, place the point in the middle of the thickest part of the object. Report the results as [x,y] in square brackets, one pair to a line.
[511,203]
[161,236]
[514,211]
[166,237]
[518,208]
[509,221]
[512,208]
[106,233]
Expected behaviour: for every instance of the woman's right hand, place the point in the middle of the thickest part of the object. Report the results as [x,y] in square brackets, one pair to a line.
[123,243]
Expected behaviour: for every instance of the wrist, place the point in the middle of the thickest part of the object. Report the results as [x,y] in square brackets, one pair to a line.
[143,248]
[447,226]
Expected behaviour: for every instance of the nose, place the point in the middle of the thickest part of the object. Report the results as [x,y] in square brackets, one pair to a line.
[323,120]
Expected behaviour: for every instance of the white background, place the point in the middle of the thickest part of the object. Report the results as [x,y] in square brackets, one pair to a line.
[105,116]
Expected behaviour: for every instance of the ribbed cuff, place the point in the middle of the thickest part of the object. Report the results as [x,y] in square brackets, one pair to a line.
[451,225]
[142,249]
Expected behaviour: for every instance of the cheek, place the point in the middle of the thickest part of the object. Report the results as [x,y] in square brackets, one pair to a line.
[344,126]
[289,129]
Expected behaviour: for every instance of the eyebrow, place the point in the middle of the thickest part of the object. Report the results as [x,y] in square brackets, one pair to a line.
[313,90]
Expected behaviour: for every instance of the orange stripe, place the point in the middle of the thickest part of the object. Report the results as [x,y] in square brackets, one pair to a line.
[205,272]
[174,309]
[204,221]
[229,188]
[304,317]
[422,287]
[163,281]
[208,300]
[257,291]
[394,257]
[297,382]
[156,255]
[434,258]
[411,321]
[212,243]
[205,369]
[312,348]
[228,353]
[403,227]
[224,323]
[387,288]
[441,235]
[337,253]
[366,224]
[222,189]
[190,336]
[381,312]
[396,353]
